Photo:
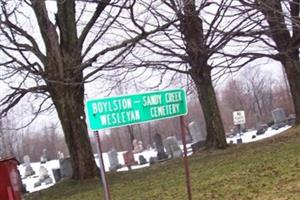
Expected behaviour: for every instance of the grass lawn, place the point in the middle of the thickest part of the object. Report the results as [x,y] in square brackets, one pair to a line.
[269,169]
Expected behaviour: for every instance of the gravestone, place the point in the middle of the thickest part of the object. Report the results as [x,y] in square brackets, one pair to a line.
[172,147]
[66,170]
[137,146]
[28,169]
[43,173]
[43,177]
[278,115]
[198,136]
[152,160]
[196,132]
[161,154]
[113,160]
[60,155]
[129,159]
[44,157]
[56,174]
[142,160]
[279,118]
[239,141]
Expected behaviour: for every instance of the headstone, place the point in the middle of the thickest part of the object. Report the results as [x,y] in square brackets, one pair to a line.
[44,157]
[196,132]
[239,141]
[60,155]
[44,177]
[172,147]
[142,160]
[129,159]
[198,136]
[161,154]
[278,115]
[37,184]
[48,181]
[113,160]
[43,174]
[66,170]
[279,118]
[56,174]
[137,146]
[152,160]
[28,169]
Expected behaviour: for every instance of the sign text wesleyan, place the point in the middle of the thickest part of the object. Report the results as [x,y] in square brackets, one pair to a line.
[125,110]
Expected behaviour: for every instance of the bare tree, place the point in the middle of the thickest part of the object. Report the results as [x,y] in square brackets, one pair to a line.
[195,46]
[252,90]
[280,25]
[53,52]
[8,139]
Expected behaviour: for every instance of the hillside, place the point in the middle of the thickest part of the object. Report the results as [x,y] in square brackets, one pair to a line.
[268,169]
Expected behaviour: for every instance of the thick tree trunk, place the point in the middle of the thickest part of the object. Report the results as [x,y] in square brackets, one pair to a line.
[68,100]
[292,68]
[287,43]
[192,30]
[214,125]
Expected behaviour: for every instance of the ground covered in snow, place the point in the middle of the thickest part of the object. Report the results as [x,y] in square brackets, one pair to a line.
[248,136]
[29,182]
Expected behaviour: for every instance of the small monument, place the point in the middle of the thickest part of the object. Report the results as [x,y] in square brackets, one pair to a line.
[129,159]
[279,118]
[66,170]
[28,169]
[142,160]
[60,155]
[196,132]
[172,147]
[44,157]
[278,115]
[161,154]
[43,177]
[198,136]
[43,173]
[113,160]
[137,146]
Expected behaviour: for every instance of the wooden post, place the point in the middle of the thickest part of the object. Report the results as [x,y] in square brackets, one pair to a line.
[102,169]
[185,158]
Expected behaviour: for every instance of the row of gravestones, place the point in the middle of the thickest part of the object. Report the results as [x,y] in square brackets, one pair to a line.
[64,171]
[44,177]
[166,149]
[198,135]
[280,120]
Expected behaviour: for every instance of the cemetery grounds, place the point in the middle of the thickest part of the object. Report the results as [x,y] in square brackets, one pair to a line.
[267,169]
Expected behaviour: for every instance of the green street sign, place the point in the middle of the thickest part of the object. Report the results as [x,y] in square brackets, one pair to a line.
[134,109]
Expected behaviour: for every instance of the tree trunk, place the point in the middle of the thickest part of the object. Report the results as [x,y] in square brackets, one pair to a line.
[131,136]
[292,68]
[198,52]
[214,125]
[68,100]
[287,43]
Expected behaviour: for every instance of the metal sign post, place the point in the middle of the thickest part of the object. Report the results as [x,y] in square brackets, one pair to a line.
[239,119]
[102,169]
[126,110]
[185,158]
